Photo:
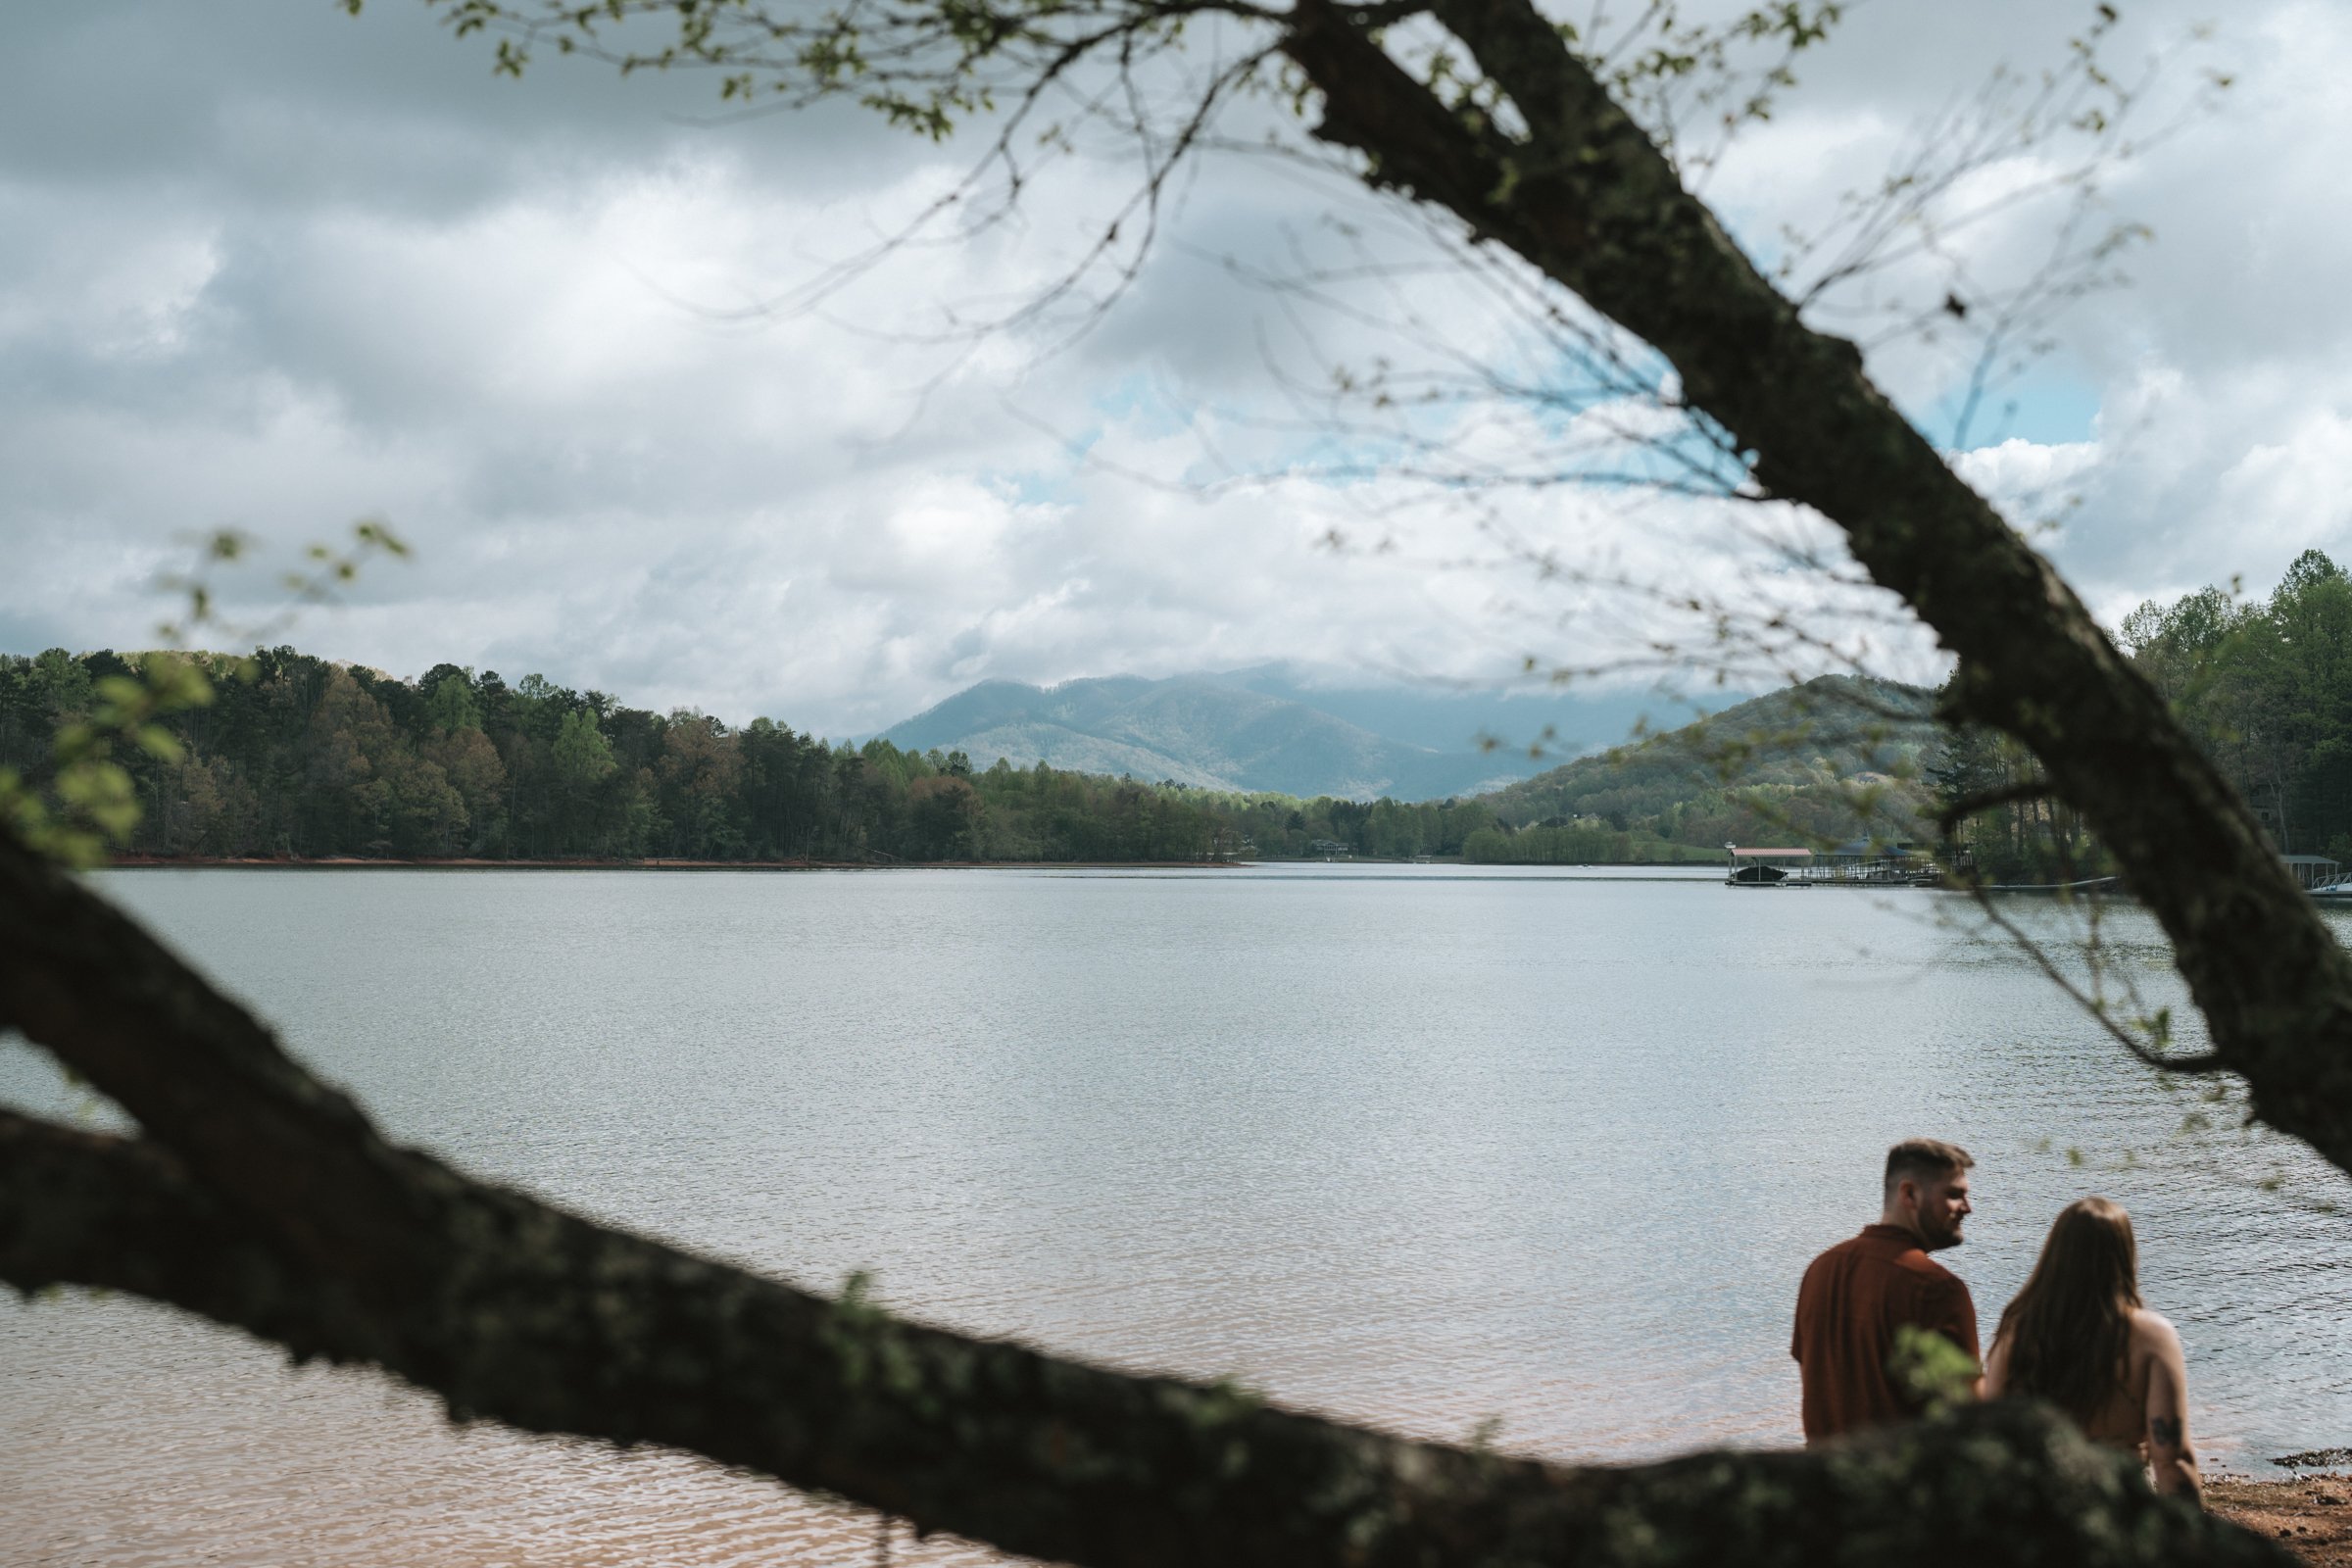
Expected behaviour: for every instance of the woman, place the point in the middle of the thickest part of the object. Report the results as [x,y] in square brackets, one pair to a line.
[2077,1337]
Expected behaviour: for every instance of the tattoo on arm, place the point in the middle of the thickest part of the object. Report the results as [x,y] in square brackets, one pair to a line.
[2166,1430]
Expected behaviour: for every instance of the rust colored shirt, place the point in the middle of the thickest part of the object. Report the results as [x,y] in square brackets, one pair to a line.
[1853,1299]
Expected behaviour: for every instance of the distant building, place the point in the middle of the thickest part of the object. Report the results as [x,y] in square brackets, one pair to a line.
[2313,871]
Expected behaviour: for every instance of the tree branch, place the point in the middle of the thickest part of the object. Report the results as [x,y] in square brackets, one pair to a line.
[86,1208]
[512,1309]
[1589,201]
[266,1201]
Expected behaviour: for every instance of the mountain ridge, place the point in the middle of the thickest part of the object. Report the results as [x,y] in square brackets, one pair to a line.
[1215,732]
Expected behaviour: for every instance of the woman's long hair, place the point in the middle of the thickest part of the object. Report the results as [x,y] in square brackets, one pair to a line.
[2069,1329]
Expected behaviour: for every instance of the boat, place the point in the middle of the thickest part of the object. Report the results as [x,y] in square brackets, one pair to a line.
[1765,869]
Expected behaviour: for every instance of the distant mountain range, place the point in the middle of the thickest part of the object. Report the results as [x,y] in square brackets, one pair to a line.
[1273,728]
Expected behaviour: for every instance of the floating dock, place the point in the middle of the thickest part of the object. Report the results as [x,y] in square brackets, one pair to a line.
[1852,866]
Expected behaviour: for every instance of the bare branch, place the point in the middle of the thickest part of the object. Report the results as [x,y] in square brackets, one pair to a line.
[2208,1062]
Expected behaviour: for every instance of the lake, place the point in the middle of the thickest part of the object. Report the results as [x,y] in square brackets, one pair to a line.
[1423,1146]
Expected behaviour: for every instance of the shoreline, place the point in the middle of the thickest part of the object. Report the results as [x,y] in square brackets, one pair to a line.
[2311,1515]
[356,862]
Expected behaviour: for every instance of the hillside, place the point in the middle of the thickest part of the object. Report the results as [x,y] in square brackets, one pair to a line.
[1838,757]
[1204,730]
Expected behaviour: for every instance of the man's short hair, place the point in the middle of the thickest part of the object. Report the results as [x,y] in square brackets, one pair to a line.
[1924,1160]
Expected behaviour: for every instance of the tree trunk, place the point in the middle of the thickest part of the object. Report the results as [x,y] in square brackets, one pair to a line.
[262,1198]
[1587,199]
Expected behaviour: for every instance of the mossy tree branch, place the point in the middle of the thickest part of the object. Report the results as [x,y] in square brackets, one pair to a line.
[260,1197]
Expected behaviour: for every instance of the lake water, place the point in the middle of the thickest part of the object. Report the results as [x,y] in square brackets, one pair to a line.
[1421,1147]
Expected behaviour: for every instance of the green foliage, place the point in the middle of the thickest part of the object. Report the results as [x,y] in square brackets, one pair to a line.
[1682,65]
[1593,843]
[2006,828]
[2266,688]
[924,69]
[81,797]
[86,745]
[449,701]
[1836,758]
[283,754]
[582,756]
[928,69]
[1930,1368]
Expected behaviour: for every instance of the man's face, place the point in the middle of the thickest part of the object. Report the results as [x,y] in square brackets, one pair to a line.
[1942,1206]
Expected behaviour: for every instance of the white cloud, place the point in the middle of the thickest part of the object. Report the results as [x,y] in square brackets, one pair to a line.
[295,270]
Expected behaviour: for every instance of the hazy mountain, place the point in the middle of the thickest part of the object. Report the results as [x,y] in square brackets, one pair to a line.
[1566,721]
[1267,728]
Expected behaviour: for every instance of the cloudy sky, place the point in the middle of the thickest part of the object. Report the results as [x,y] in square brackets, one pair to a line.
[273,268]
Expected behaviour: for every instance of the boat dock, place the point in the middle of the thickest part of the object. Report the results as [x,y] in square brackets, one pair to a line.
[1906,866]
[1849,865]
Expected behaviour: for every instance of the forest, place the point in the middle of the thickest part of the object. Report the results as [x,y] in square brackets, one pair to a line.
[297,757]
[1834,759]
[2263,685]
[300,757]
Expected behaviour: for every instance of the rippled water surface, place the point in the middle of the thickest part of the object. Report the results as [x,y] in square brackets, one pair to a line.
[1418,1146]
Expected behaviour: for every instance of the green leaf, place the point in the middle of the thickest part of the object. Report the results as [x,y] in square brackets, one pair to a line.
[158,742]
[1930,1368]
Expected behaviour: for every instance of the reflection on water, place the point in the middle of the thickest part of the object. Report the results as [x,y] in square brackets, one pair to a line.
[1415,1146]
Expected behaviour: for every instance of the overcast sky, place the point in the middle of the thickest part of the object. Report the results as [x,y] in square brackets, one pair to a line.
[273,268]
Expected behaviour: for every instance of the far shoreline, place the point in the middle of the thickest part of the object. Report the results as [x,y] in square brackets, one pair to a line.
[356,862]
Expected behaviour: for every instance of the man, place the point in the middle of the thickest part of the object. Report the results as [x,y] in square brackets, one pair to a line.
[1859,1293]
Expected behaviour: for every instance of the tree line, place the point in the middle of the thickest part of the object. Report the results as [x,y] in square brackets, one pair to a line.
[2264,687]
[296,755]
[300,757]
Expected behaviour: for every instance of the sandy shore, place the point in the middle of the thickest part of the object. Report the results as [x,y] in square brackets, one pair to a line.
[2311,1514]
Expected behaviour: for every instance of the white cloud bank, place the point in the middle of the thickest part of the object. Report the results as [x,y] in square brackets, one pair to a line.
[274,268]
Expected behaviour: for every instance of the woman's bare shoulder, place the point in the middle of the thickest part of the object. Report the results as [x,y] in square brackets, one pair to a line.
[2153,1332]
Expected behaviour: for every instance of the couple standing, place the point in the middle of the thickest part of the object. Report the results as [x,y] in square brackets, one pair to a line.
[2075,1335]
